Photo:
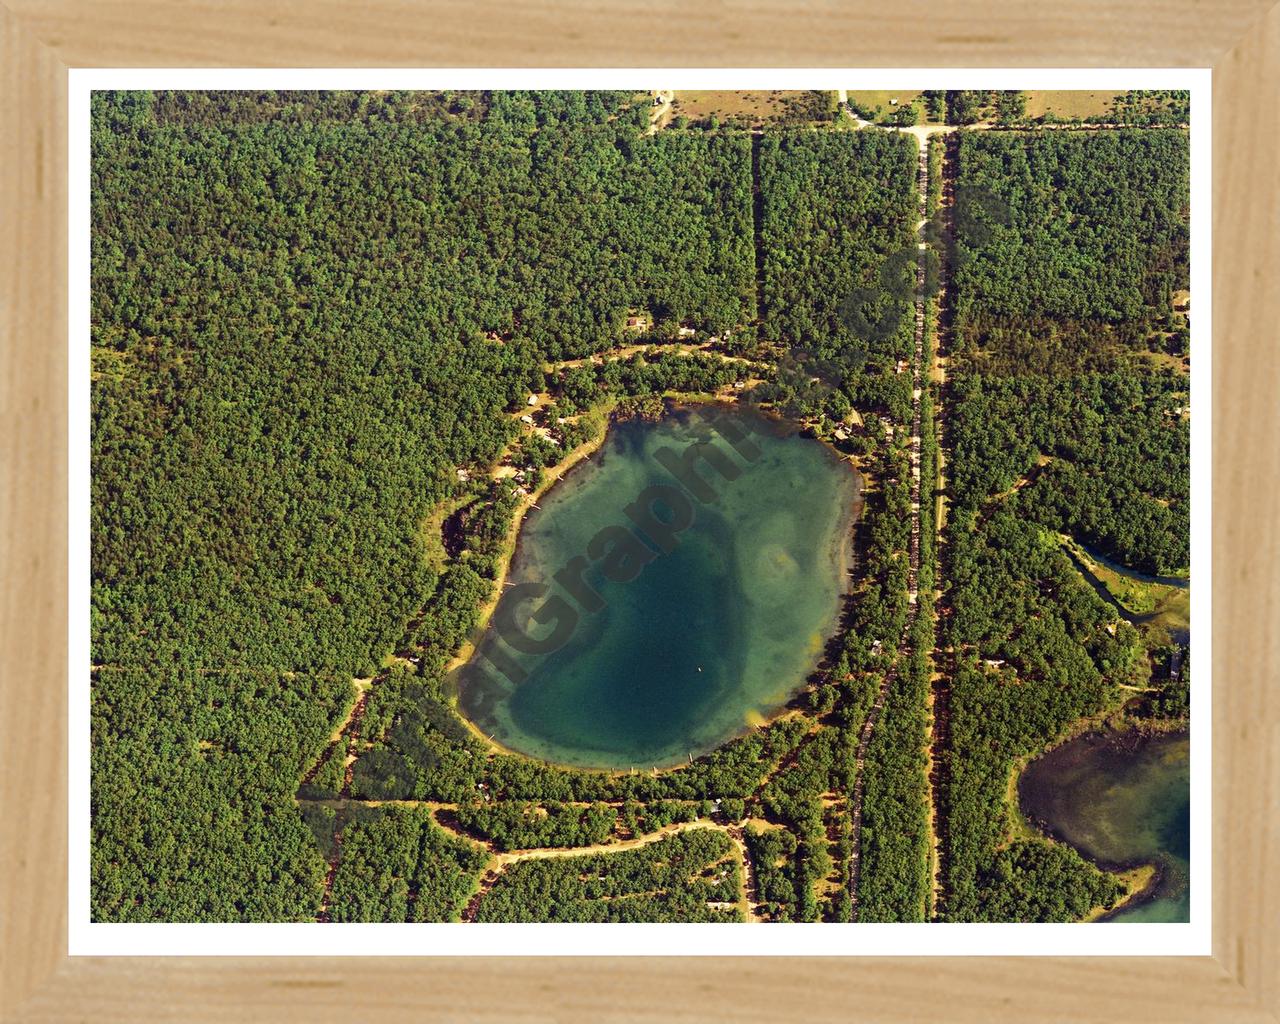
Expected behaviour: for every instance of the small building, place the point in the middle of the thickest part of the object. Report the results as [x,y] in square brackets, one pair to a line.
[463,476]
[533,400]
[526,419]
[686,332]
[842,434]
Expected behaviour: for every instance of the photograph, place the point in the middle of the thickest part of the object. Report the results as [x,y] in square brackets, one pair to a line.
[551,506]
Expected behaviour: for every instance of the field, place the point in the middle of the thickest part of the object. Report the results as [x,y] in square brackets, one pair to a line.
[755,109]
[879,100]
[1070,104]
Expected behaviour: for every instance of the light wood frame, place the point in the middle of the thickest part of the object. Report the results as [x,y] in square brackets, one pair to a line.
[41,39]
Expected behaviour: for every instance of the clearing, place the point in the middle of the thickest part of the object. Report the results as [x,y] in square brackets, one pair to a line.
[1086,105]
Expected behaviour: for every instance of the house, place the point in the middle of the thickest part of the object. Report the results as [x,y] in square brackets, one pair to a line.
[533,400]
[842,434]
[526,419]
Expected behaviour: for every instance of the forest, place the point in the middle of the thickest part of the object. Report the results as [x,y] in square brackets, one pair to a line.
[692,876]
[400,866]
[1068,246]
[836,222]
[1058,425]
[316,321]
[306,314]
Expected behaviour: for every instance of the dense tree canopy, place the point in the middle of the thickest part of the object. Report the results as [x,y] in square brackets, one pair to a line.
[1067,243]
[1059,424]
[317,319]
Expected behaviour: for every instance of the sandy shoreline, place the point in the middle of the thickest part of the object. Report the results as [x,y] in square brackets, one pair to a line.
[555,475]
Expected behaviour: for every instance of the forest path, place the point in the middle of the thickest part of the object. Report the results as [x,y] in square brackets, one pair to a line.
[679,348]
[619,846]
[939,700]
[660,116]
[342,729]
[856,797]
[501,861]
[750,902]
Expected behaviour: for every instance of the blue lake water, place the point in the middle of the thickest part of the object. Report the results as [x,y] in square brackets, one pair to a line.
[708,637]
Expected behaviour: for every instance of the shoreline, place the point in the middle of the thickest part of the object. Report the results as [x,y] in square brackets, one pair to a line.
[846,555]
[1105,734]
[511,542]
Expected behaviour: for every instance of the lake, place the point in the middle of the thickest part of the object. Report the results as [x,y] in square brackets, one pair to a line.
[1121,799]
[729,612]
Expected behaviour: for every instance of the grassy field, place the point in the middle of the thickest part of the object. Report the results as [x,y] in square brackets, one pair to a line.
[880,97]
[753,107]
[1166,610]
[873,98]
[1069,103]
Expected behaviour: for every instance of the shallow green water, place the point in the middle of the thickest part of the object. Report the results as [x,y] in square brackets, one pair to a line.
[720,630]
[1121,800]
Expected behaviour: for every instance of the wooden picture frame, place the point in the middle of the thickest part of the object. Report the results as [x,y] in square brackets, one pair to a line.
[41,39]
